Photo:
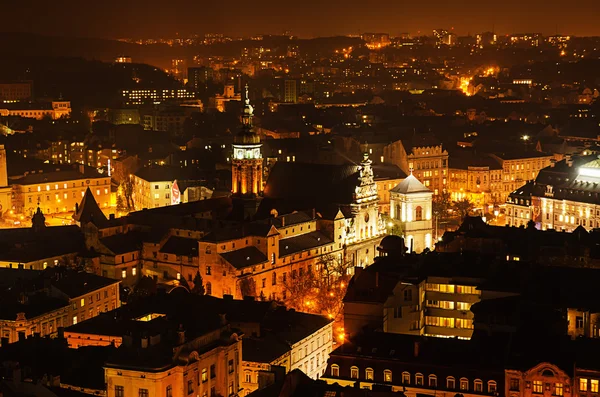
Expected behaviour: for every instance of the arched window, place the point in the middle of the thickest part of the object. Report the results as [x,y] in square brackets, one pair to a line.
[387,375]
[492,387]
[405,378]
[432,381]
[419,379]
[464,384]
[369,373]
[208,288]
[478,384]
[335,370]
[354,372]
[419,213]
[273,258]
[450,383]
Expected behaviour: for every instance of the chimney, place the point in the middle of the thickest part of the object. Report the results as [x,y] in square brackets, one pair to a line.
[111,216]
[416,348]
[181,335]
[223,318]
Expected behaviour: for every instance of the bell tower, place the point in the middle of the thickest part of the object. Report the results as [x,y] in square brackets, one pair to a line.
[247,160]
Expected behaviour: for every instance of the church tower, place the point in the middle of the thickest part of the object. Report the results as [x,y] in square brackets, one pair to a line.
[247,162]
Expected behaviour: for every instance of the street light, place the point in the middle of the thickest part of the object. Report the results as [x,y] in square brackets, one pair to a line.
[525,137]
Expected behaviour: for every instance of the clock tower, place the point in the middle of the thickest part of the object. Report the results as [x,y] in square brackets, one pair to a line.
[247,161]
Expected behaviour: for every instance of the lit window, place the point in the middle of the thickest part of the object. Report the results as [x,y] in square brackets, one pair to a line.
[450,383]
[369,373]
[464,384]
[82,302]
[133,271]
[594,385]
[405,378]
[74,320]
[123,273]
[419,379]
[178,276]
[558,389]
[478,386]
[538,386]
[354,372]
[335,370]
[583,384]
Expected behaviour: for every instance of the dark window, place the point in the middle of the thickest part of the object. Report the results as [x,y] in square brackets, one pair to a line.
[230,366]
[119,391]
[169,391]
[143,393]
[190,386]
[213,371]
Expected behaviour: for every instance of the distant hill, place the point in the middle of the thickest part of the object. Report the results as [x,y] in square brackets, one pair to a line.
[25,45]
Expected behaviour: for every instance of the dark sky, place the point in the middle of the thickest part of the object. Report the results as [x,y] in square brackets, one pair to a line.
[305,18]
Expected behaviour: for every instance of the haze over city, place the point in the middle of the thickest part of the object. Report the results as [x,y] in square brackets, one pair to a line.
[310,18]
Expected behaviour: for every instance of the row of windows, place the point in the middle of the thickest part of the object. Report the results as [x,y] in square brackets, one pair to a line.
[448,305]
[450,288]
[419,379]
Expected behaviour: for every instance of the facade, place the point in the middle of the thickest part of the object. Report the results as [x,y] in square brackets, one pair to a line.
[476,178]
[410,209]
[206,365]
[16,91]
[564,196]
[155,95]
[56,110]
[406,364]
[70,297]
[424,156]
[229,94]
[545,379]
[59,191]
[153,193]
[520,167]
[436,306]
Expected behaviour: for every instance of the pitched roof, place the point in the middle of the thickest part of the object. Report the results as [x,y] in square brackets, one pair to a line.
[181,246]
[89,211]
[247,256]
[410,185]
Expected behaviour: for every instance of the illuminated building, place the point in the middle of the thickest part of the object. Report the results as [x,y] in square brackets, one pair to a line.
[229,94]
[518,167]
[155,95]
[199,76]
[70,297]
[179,69]
[375,41]
[58,191]
[290,94]
[444,37]
[247,161]
[157,187]
[564,196]
[425,156]
[476,178]
[123,59]
[526,39]
[416,366]
[56,110]
[15,91]
[410,207]
[167,121]
[486,39]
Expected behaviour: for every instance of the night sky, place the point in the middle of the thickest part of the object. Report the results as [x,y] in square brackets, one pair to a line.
[308,18]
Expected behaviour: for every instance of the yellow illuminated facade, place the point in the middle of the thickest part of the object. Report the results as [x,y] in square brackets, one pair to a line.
[60,191]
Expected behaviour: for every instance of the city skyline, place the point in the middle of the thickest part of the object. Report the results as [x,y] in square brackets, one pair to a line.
[310,19]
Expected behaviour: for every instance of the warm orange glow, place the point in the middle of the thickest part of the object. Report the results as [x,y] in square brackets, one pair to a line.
[465,83]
